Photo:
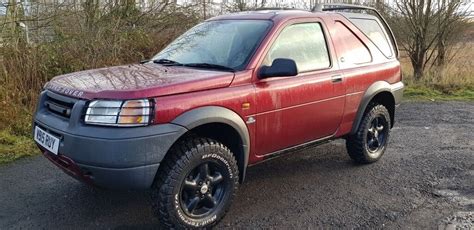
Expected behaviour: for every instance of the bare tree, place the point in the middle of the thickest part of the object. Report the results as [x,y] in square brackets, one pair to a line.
[243,5]
[91,11]
[12,28]
[450,25]
[421,24]
[204,8]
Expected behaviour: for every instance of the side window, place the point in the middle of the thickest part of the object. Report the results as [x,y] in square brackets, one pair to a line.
[304,43]
[375,33]
[349,48]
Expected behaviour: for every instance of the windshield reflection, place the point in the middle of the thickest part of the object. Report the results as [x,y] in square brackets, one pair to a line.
[227,43]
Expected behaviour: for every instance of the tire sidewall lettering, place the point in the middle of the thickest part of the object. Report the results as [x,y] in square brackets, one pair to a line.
[176,198]
[218,157]
[189,221]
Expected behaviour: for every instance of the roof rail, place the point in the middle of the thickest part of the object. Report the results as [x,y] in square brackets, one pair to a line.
[340,6]
[277,8]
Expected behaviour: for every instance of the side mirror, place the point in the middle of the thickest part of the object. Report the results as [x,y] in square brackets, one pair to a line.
[281,67]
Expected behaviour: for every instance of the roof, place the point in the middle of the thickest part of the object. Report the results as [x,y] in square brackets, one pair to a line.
[268,15]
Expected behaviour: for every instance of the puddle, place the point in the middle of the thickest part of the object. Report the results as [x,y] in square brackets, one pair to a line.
[455,196]
[460,220]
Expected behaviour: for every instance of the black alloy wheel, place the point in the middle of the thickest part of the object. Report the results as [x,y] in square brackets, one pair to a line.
[203,189]
[369,142]
[195,185]
[376,134]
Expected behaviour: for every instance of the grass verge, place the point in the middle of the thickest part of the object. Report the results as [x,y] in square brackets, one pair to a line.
[13,147]
[424,93]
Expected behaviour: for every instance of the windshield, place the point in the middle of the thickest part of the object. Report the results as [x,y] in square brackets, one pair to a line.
[227,43]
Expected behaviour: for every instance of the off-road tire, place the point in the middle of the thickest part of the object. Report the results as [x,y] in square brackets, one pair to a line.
[357,144]
[167,190]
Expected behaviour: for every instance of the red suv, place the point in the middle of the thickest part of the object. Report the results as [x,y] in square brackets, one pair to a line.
[231,92]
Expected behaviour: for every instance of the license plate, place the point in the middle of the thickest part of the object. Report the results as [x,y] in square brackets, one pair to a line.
[48,141]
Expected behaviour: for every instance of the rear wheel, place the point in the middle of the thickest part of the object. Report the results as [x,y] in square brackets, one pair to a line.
[368,144]
[195,185]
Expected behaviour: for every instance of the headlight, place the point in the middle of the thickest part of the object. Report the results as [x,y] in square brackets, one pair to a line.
[119,113]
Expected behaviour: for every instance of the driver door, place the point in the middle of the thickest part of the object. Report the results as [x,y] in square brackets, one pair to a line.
[299,109]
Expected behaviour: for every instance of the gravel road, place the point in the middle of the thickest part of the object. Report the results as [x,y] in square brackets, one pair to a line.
[425,180]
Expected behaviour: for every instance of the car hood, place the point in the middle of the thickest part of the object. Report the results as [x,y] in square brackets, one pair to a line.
[137,81]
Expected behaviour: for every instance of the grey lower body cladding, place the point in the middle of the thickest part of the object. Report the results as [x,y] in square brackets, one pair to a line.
[110,157]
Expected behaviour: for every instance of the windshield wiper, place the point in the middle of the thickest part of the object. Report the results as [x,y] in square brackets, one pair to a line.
[209,66]
[167,62]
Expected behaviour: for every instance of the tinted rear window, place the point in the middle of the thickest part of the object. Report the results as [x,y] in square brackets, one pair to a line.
[375,33]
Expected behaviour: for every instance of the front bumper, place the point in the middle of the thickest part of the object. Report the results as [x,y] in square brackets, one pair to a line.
[109,157]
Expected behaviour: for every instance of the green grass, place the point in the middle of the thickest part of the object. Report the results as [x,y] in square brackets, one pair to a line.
[13,147]
[424,93]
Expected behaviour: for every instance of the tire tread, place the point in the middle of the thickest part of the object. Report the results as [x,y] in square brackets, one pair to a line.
[355,143]
[176,160]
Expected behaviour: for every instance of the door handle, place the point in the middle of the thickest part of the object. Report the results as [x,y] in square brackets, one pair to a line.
[336,78]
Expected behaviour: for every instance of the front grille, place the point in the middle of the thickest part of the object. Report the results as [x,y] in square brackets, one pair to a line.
[59,104]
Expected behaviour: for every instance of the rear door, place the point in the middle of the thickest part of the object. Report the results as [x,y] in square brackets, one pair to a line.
[302,108]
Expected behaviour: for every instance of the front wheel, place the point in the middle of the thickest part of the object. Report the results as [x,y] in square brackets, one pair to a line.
[368,144]
[196,184]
